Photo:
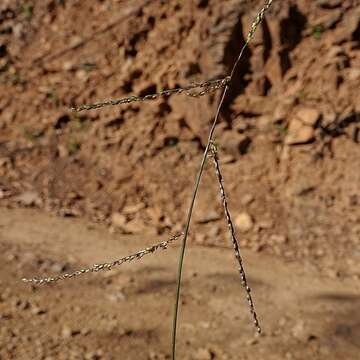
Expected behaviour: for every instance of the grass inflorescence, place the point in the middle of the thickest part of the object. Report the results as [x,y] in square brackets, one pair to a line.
[193,90]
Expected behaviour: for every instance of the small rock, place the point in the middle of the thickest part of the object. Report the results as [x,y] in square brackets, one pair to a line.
[85,331]
[299,331]
[354,74]
[203,354]
[252,341]
[21,304]
[265,224]
[136,226]
[207,217]
[332,273]
[38,310]
[278,239]
[298,133]
[118,220]
[235,144]
[228,159]
[5,316]
[82,75]
[244,222]
[67,332]
[329,4]
[29,198]
[132,209]
[308,116]
[63,151]
[247,199]
[68,66]
[116,297]
[200,238]
[2,194]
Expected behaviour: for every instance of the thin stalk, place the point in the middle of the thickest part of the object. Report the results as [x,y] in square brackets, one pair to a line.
[254,26]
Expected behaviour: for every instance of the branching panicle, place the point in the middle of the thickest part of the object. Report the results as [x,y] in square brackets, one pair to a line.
[208,86]
[234,241]
[105,266]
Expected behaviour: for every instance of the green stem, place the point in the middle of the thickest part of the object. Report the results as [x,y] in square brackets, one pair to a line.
[255,24]
[187,227]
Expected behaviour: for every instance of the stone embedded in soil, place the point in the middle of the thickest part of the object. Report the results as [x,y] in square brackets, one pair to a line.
[329,4]
[299,133]
[247,199]
[244,222]
[131,209]
[329,20]
[36,310]
[67,332]
[234,144]
[278,239]
[353,74]
[29,198]
[116,296]
[301,332]
[137,226]
[118,220]
[265,224]
[203,354]
[200,238]
[206,217]
[309,116]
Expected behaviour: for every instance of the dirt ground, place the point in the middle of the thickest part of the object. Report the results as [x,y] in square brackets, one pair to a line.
[126,313]
[288,137]
[78,188]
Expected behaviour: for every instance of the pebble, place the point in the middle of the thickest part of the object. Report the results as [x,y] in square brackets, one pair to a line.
[67,332]
[200,238]
[300,332]
[266,224]
[29,198]
[38,310]
[278,239]
[329,4]
[299,133]
[116,297]
[131,209]
[203,354]
[244,222]
[353,74]
[207,217]
[247,199]
[118,220]
[308,116]
[252,341]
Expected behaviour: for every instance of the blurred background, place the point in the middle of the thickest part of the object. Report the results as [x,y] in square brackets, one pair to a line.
[78,188]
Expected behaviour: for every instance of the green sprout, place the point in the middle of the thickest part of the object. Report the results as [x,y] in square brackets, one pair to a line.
[27,9]
[317,32]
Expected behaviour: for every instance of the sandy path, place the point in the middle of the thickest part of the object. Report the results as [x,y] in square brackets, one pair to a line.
[126,313]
